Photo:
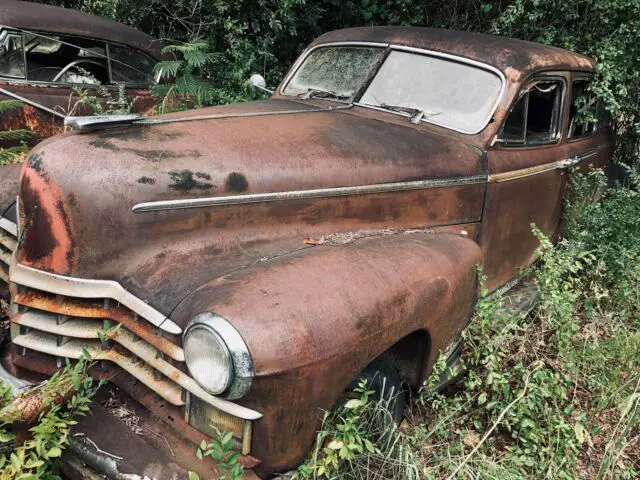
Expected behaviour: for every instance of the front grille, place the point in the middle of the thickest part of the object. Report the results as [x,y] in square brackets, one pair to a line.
[8,244]
[65,327]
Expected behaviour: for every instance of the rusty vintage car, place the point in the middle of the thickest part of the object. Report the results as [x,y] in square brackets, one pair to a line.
[46,52]
[262,256]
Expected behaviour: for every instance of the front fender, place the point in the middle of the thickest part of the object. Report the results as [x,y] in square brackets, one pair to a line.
[314,318]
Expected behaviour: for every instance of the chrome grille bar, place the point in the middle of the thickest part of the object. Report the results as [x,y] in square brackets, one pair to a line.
[47,343]
[8,241]
[46,332]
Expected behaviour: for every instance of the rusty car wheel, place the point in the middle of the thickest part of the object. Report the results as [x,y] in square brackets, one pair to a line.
[385,381]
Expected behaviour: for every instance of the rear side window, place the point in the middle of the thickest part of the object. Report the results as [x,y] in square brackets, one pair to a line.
[11,55]
[130,66]
[65,60]
[71,60]
[535,118]
[583,117]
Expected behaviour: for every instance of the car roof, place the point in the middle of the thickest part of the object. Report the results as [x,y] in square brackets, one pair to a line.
[515,58]
[47,18]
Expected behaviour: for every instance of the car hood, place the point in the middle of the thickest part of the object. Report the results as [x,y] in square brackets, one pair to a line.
[78,191]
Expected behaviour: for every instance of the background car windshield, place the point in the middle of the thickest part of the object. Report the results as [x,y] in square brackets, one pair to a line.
[451,94]
[340,70]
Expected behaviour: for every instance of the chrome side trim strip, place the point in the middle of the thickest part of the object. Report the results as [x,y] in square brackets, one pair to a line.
[589,154]
[9,226]
[165,205]
[526,172]
[91,124]
[216,116]
[85,288]
[29,102]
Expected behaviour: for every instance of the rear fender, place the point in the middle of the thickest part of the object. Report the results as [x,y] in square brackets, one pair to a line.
[316,317]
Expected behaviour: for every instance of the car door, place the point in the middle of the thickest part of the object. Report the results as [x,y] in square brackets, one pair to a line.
[590,139]
[526,177]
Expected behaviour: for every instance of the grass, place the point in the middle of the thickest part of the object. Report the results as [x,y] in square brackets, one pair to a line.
[551,394]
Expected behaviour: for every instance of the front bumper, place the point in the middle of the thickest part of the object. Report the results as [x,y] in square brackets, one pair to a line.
[106,444]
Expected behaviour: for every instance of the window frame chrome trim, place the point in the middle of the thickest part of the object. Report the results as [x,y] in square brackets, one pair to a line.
[557,75]
[419,51]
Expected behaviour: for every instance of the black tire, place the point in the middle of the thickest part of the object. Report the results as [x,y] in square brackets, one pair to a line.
[384,380]
[617,175]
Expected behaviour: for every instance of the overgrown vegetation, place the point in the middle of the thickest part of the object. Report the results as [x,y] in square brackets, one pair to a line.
[265,37]
[183,86]
[551,394]
[14,138]
[35,427]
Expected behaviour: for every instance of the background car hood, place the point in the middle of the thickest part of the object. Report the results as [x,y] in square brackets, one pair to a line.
[78,190]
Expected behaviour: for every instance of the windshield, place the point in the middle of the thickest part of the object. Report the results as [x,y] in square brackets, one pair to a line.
[449,93]
[335,71]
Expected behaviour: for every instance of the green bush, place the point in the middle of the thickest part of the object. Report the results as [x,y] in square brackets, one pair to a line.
[265,36]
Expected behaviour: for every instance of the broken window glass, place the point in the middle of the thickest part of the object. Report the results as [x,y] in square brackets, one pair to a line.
[65,60]
[535,117]
[335,72]
[583,115]
[11,55]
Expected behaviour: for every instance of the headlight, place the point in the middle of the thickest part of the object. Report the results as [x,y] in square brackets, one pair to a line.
[216,356]
[208,359]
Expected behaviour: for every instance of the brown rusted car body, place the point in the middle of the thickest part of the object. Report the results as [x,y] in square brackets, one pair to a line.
[327,232]
[28,73]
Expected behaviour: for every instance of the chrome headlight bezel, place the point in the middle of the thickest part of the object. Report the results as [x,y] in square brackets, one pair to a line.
[240,364]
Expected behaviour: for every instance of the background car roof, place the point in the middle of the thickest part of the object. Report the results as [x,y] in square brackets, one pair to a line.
[513,57]
[47,18]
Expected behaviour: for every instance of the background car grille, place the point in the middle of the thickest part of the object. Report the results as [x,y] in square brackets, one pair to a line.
[8,244]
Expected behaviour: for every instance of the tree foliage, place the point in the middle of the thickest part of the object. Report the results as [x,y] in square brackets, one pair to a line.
[266,35]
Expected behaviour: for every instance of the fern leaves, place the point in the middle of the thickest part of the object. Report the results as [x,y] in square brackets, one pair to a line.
[15,152]
[189,89]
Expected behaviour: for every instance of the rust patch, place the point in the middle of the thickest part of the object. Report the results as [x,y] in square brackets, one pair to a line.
[35,162]
[49,239]
[105,142]
[184,180]
[236,182]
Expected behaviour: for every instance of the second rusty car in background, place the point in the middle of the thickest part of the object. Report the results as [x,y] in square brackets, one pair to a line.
[261,257]
[46,52]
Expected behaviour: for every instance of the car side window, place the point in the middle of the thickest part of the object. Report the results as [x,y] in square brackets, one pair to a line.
[535,118]
[130,66]
[65,60]
[583,115]
[11,55]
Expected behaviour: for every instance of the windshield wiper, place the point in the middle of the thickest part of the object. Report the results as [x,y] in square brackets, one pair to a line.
[319,93]
[417,114]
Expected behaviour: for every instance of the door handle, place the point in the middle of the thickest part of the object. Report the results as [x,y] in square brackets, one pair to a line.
[570,162]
